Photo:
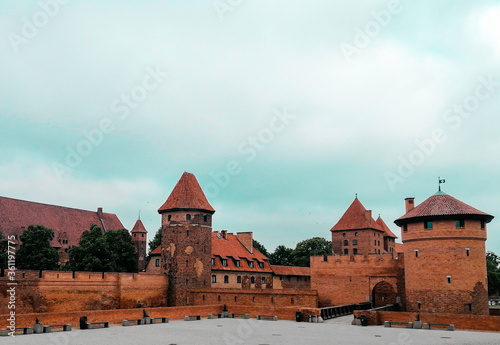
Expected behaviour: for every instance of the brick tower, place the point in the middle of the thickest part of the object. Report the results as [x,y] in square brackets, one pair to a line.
[140,237]
[445,263]
[186,239]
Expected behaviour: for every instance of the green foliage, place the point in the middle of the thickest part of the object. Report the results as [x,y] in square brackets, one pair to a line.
[260,248]
[493,273]
[155,242]
[281,256]
[112,251]
[3,250]
[316,246]
[36,252]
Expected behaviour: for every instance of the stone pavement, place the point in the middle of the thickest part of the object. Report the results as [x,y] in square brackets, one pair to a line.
[253,332]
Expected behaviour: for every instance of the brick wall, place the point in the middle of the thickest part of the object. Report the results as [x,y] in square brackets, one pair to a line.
[60,291]
[348,279]
[368,240]
[268,298]
[462,322]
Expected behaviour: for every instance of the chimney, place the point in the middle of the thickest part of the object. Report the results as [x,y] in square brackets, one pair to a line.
[224,234]
[368,215]
[246,238]
[99,212]
[409,204]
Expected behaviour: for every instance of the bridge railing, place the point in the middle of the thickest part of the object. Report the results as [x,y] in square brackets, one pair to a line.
[341,310]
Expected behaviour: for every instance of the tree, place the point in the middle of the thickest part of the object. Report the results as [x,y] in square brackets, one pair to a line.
[282,256]
[311,247]
[3,250]
[36,252]
[112,251]
[493,273]
[155,242]
[260,248]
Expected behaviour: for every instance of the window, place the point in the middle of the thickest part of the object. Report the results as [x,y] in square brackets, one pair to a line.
[188,217]
[214,278]
[343,234]
[261,264]
[212,261]
[187,263]
[449,279]
[263,280]
[187,233]
[187,282]
[238,279]
[205,218]
[237,263]
[346,242]
[483,225]
[355,251]
[375,242]
[252,280]
[346,251]
[416,253]
[250,264]
[157,263]
[378,243]
[226,279]
[224,262]
[460,223]
[169,217]
[356,234]
[467,250]
[419,304]
[405,228]
[354,242]
[428,225]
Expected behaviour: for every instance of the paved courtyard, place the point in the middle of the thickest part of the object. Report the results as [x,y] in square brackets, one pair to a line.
[238,331]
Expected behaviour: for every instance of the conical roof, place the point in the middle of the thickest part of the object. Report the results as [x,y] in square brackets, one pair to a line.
[187,195]
[139,227]
[384,227]
[442,205]
[355,217]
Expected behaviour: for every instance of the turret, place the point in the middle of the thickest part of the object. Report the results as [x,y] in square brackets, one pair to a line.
[140,237]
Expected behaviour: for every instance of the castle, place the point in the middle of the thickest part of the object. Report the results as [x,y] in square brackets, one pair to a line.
[439,268]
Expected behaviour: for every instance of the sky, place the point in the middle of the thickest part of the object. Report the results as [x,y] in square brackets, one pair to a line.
[283,110]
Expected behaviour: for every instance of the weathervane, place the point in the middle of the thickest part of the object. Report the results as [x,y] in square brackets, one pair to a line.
[441,181]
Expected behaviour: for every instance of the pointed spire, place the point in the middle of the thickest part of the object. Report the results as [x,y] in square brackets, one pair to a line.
[187,195]
[356,217]
[139,227]
[384,227]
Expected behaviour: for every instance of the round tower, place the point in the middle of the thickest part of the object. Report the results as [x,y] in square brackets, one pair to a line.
[186,243]
[140,237]
[444,256]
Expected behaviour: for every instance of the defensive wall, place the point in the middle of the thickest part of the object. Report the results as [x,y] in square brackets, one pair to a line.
[349,279]
[461,321]
[63,291]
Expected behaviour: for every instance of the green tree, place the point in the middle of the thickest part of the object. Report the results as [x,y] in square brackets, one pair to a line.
[36,252]
[155,242]
[3,250]
[315,246]
[282,256]
[112,251]
[260,248]
[493,273]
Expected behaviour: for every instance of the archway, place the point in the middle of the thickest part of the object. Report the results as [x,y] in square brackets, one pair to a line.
[383,293]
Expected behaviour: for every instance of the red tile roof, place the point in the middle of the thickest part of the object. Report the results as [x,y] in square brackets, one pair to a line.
[139,227]
[157,251]
[187,194]
[291,270]
[442,205]
[232,249]
[17,215]
[388,232]
[356,218]
[399,247]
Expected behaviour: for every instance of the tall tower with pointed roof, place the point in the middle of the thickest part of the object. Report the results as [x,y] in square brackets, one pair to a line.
[140,237]
[186,239]
[357,232]
[445,264]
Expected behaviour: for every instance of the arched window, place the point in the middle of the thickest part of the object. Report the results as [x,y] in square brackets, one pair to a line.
[346,242]
[355,251]
[346,251]
[226,279]
[354,242]
[188,217]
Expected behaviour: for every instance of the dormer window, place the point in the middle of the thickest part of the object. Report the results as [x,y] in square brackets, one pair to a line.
[250,264]
[261,264]
[224,262]
[212,262]
[237,263]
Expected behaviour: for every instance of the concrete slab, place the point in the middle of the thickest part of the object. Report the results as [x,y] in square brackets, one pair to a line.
[251,331]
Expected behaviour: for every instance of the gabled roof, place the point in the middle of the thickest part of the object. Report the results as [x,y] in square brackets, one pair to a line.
[291,270]
[231,248]
[156,251]
[186,195]
[442,205]
[399,247]
[139,227]
[356,218]
[387,231]
[67,223]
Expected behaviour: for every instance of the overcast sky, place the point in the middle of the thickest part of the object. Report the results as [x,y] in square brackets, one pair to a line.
[283,110]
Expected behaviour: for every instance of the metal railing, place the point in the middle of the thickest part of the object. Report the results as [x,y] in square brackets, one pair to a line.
[341,310]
